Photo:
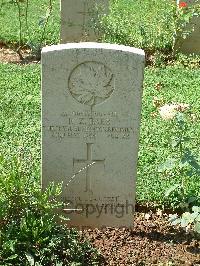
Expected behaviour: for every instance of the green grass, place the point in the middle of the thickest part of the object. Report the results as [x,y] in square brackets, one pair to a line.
[178,84]
[147,24]
[20,114]
[37,10]
[20,124]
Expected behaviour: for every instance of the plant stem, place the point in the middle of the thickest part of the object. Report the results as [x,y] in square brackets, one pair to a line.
[26,15]
[20,31]
[46,22]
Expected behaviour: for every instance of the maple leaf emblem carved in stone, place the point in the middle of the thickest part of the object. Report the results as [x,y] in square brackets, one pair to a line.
[91,83]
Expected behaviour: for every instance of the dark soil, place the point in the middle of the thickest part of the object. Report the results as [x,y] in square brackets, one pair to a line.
[10,55]
[152,241]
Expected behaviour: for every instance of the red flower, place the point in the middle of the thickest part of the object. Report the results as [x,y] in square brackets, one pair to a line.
[182,4]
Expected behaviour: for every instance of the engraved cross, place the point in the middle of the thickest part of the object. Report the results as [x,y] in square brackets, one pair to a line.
[89,163]
[86,13]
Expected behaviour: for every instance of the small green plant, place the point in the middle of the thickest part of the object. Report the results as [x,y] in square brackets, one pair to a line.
[183,162]
[188,220]
[42,23]
[23,11]
[29,230]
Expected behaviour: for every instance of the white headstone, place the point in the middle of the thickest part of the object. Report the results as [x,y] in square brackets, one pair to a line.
[77,19]
[191,44]
[91,108]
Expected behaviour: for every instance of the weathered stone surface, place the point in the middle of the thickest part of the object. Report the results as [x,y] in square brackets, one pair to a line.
[190,45]
[91,108]
[77,19]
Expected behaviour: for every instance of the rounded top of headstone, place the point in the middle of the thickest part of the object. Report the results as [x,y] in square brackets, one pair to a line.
[93,45]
